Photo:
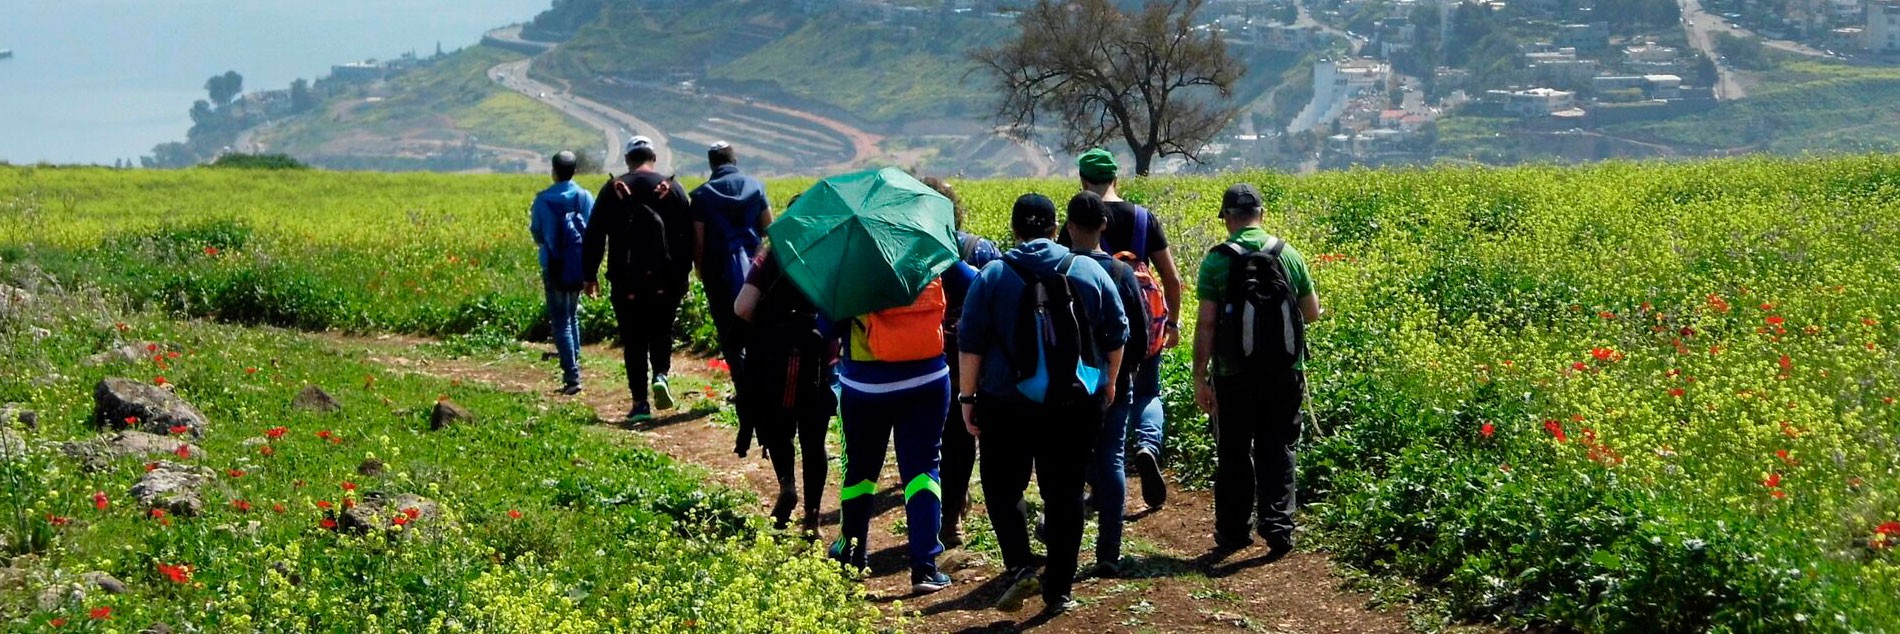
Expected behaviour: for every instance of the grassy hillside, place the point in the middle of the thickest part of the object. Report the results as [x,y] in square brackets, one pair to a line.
[1801,106]
[1621,398]
[435,107]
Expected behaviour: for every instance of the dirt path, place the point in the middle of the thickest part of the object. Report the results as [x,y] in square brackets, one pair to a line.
[1172,585]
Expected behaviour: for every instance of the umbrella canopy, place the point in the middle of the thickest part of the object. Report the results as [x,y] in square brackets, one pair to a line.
[866,241]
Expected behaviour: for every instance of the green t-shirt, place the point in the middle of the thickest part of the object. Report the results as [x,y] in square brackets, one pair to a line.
[1212,285]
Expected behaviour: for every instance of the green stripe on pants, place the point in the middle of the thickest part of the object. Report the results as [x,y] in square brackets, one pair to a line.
[858,490]
[923,482]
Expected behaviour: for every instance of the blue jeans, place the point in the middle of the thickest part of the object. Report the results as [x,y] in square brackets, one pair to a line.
[564,321]
[1108,479]
[1149,421]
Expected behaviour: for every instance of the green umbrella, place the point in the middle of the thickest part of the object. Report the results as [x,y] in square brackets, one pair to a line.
[866,241]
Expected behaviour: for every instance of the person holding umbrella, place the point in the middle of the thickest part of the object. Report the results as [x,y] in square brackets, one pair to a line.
[875,251]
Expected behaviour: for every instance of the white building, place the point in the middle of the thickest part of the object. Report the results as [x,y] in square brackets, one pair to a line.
[1883,26]
[1536,102]
[1649,54]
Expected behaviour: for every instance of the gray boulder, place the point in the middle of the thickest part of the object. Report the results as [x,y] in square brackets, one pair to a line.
[314,399]
[175,488]
[154,409]
[98,453]
[140,352]
[14,413]
[378,511]
[448,413]
[104,582]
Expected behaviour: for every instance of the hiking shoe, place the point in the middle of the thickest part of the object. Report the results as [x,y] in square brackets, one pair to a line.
[1103,570]
[1278,546]
[1231,544]
[641,413]
[951,536]
[570,389]
[809,525]
[1055,606]
[926,584]
[1022,585]
[662,395]
[1154,489]
[782,508]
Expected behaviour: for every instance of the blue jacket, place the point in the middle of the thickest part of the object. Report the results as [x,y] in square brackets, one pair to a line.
[730,200]
[544,216]
[990,309]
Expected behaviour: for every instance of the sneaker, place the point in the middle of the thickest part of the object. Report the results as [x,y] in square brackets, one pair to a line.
[1278,547]
[782,508]
[1022,585]
[1232,543]
[951,536]
[926,584]
[570,389]
[1103,570]
[662,395]
[1154,489]
[641,413]
[1056,606]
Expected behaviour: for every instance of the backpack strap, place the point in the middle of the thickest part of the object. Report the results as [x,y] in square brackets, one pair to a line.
[1232,249]
[1142,218]
[966,246]
[1274,246]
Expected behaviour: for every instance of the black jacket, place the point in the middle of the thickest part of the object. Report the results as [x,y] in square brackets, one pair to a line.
[646,239]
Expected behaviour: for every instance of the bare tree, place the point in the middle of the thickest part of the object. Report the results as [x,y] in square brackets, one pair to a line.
[1152,79]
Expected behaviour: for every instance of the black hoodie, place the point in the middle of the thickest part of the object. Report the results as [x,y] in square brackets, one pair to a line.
[645,238]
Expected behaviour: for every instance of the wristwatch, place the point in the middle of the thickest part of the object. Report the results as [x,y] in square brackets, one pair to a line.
[966,399]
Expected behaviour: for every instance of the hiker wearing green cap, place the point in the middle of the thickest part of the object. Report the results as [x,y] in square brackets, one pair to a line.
[1256,298]
[1135,235]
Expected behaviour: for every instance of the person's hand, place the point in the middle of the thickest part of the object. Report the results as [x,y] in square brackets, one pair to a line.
[969,421]
[591,289]
[1108,396]
[1204,396]
[1174,337]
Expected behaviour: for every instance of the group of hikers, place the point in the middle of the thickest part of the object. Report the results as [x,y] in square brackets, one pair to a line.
[1046,357]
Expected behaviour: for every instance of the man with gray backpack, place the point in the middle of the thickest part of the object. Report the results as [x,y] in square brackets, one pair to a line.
[1249,353]
[558,220]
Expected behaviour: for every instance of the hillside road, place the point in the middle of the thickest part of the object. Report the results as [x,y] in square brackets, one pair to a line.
[610,121]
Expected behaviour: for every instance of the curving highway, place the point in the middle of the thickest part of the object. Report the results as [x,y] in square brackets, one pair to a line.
[614,125]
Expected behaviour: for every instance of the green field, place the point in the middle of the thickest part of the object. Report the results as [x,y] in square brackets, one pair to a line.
[1620,398]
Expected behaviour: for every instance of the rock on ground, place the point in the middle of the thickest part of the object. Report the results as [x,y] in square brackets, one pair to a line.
[139,352]
[14,413]
[379,510]
[98,453]
[104,582]
[174,487]
[314,399]
[154,409]
[448,413]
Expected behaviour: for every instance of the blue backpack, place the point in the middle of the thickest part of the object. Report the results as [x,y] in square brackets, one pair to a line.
[735,262]
[565,259]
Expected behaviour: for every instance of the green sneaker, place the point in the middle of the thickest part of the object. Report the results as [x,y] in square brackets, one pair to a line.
[662,395]
[1023,584]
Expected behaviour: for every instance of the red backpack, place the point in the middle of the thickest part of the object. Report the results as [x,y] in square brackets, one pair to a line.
[1157,308]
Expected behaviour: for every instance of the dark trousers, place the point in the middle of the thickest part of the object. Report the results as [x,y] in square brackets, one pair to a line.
[788,395]
[646,336]
[959,460]
[733,333]
[1056,442]
[1256,429]
[912,421]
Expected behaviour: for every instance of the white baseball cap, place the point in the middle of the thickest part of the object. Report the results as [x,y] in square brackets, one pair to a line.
[637,143]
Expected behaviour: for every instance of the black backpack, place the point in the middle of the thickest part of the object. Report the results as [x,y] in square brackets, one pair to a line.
[1054,343]
[1260,327]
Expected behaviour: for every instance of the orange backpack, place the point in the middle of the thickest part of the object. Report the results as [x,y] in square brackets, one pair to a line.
[905,333]
[1156,310]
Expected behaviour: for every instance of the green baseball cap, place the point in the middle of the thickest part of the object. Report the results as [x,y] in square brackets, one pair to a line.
[1097,165]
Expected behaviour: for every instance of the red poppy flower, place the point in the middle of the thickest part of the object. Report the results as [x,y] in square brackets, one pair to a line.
[267,450]
[151,347]
[323,504]
[183,451]
[1890,529]
[250,370]
[151,466]
[1486,430]
[101,613]
[1773,481]
[1778,494]
[1765,306]
[211,251]
[399,520]
[99,500]
[157,514]
[131,420]
[349,503]
[1716,302]
[719,364]
[1556,429]
[1775,320]
[1607,315]
[276,432]
[235,473]
[160,381]
[1785,457]
[349,486]
[514,514]
[324,434]
[327,524]
[58,521]
[1677,392]
[277,508]
[241,505]
[1579,366]
[1603,354]
[59,621]
[178,574]
[179,430]
[1870,322]
[412,513]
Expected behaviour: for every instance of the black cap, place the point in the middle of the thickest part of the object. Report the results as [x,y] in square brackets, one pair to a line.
[1033,214]
[1088,211]
[1238,197]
